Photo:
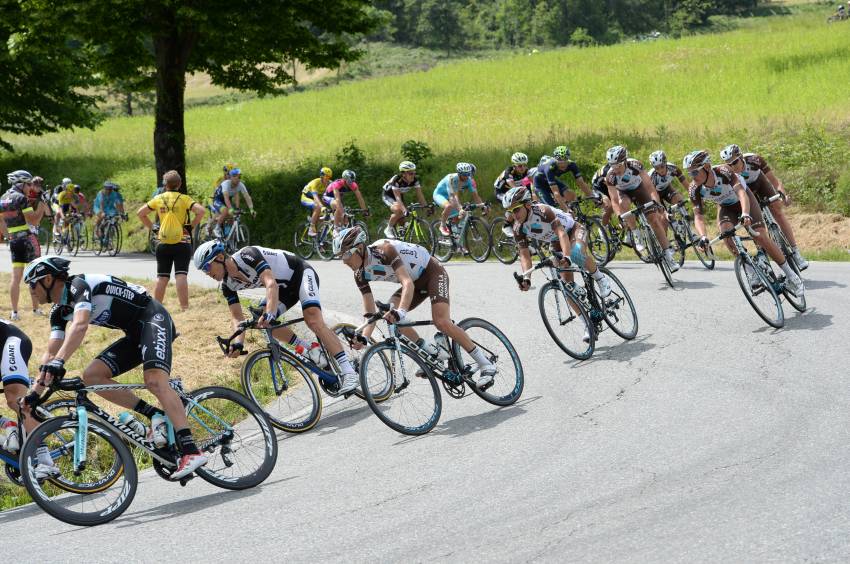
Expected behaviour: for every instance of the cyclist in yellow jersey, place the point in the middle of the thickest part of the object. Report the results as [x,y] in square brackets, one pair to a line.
[311,196]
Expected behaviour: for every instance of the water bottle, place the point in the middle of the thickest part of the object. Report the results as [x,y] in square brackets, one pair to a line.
[427,346]
[577,290]
[126,418]
[442,344]
[159,428]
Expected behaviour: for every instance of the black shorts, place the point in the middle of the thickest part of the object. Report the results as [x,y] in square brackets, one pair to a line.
[177,255]
[667,194]
[24,249]
[149,344]
[17,350]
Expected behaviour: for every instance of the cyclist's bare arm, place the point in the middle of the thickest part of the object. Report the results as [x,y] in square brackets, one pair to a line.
[360,200]
[420,196]
[369,306]
[199,212]
[248,200]
[780,187]
[559,199]
[584,187]
[267,279]
[237,317]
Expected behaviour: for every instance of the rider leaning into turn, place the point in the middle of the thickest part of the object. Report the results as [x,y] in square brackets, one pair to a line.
[764,184]
[548,186]
[628,182]
[334,192]
[226,198]
[393,195]
[447,194]
[288,280]
[107,301]
[736,203]
[421,277]
[310,197]
[108,202]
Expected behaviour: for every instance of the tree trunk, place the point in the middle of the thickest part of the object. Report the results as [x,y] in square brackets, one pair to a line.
[169,136]
[129,102]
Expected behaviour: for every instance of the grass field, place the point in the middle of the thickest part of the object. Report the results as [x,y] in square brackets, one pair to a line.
[775,84]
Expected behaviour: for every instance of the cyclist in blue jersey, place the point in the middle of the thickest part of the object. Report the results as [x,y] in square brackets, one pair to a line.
[447,194]
[226,197]
[548,186]
[108,202]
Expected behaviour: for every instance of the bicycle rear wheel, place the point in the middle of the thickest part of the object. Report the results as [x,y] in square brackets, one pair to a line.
[477,239]
[303,243]
[597,240]
[112,244]
[235,435]
[706,257]
[618,310]
[107,493]
[658,255]
[344,331]
[503,245]
[285,391]
[566,320]
[782,242]
[509,380]
[325,241]
[419,232]
[415,404]
[443,244]
[761,295]
[797,302]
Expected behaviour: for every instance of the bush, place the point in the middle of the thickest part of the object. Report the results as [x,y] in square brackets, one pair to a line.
[417,151]
[351,156]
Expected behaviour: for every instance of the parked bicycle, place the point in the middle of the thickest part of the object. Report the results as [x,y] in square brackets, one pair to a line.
[279,380]
[412,228]
[108,235]
[653,251]
[400,366]
[764,291]
[236,436]
[306,246]
[469,236]
[574,314]
[685,238]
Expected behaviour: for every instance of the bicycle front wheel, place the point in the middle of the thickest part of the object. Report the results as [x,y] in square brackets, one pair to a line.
[242,236]
[303,243]
[415,404]
[419,232]
[760,292]
[706,257]
[106,493]
[597,240]
[503,245]
[343,331]
[236,437]
[443,244]
[566,320]
[477,239]
[284,390]
[509,380]
[324,241]
[112,244]
[618,310]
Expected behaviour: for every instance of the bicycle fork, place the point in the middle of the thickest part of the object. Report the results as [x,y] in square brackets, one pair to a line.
[81,440]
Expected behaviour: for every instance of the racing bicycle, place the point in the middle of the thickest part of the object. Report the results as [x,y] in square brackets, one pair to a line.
[653,251]
[468,235]
[412,228]
[108,235]
[775,232]
[685,237]
[322,243]
[234,233]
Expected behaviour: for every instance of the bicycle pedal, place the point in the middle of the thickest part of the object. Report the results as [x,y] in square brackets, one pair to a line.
[186,479]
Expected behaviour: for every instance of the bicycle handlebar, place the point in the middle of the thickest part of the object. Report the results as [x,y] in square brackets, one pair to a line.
[731,233]
[640,209]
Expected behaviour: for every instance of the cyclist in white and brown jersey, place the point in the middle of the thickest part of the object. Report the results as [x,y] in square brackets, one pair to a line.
[736,203]
[420,276]
[763,182]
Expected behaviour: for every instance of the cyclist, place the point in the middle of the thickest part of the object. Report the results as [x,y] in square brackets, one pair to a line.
[761,179]
[18,215]
[17,349]
[310,197]
[662,176]
[334,192]
[420,276]
[393,195]
[598,185]
[107,203]
[628,182]
[288,280]
[226,198]
[514,175]
[841,13]
[447,194]
[107,301]
[82,203]
[225,175]
[736,203]
[548,185]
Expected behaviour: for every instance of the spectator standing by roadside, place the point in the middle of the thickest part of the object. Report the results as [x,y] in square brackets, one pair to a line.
[175,241]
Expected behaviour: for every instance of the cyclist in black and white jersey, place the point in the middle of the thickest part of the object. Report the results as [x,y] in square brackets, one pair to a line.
[394,191]
[107,301]
[288,280]
[515,175]
[598,185]
[548,185]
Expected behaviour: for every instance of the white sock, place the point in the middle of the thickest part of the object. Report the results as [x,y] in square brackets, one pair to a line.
[786,268]
[597,274]
[296,341]
[344,364]
[479,357]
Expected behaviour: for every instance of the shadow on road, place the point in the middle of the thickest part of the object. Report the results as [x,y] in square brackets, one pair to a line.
[690,285]
[621,352]
[822,284]
[812,320]
[25,512]
[356,410]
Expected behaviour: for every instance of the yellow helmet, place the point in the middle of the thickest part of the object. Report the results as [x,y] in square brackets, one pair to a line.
[326,172]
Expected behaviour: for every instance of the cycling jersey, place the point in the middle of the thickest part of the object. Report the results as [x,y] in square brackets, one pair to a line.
[385,256]
[313,188]
[541,225]
[13,205]
[66,198]
[397,182]
[17,349]
[629,180]
[228,188]
[295,278]
[108,204]
[510,176]
[723,191]
[754,167]
[112,303]
[451,184]
[548,167]
[598,180]
[340,185]
[662,182]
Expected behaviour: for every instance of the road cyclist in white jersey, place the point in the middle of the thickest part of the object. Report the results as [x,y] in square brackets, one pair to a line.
[421,277]
[547,224]
[227,197]
[393,195]
[287,279]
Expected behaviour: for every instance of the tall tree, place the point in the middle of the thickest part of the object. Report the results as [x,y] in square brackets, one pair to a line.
[241,44]
[441,26]
[42,79]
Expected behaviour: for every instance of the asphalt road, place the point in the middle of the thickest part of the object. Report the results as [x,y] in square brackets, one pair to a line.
[710,437]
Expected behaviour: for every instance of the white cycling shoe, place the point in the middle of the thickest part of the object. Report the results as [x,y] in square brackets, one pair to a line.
[604,285]
[44,471]
[486,375]
[350,382]
[188,464]
[389,232]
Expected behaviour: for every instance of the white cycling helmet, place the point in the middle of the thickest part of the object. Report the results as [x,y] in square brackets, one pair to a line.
[465,168]
[519,159]
[516,196]
[66,181]
[206,252]
[696,159]
[658,158]
[405,166]
[347,238]
[730,153]
[18,177]
[616,154]
[349,175]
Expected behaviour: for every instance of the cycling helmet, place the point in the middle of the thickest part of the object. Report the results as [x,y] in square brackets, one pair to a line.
[349,175]
[561,153]
[326,172]
[348,238]
[66,181]
[18,177]
[730,153]
[616,154]
[41,267]
[405,166]
[515,197]
[37,180]
[235,172]
[109,185]
[465,168]
[658,158]
[696,159]
[206,252]
[519,159]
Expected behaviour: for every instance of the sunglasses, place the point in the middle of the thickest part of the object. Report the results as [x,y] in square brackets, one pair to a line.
[514,208]
[694,173]
[206,268]
[732,163]
[350,253]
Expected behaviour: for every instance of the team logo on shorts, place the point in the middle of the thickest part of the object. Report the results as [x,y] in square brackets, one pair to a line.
[159,317]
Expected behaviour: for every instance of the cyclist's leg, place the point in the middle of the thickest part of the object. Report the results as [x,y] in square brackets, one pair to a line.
[657,220]
[337,208]
[182,258]
[223,214]
[443,202]
[762,239]
[164,264]
[622,203]
[395,300]
[16,382]
[727,217]
[116,359]
[543,192]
